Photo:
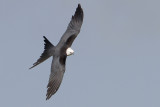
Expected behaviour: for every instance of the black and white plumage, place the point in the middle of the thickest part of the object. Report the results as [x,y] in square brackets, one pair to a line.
[60,52]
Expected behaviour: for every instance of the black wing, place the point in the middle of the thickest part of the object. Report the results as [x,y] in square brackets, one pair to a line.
[48,51]
[73,28]
[56,76]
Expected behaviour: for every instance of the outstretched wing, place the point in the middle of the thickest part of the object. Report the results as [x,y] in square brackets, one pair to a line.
[48,51]
[56,76]
[73,28]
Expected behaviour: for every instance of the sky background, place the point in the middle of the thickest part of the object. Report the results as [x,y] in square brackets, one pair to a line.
[116,61]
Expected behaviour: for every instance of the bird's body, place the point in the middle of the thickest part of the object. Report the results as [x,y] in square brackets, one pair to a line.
[60,52]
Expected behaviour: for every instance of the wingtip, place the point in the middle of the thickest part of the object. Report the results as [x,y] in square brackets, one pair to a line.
[44,37]
[78,13]
[48,96]
[79,5]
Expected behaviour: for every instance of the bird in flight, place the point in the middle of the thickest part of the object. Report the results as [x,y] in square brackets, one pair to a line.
[60,52]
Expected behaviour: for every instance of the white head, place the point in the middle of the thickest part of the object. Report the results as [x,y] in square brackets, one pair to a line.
[69,51]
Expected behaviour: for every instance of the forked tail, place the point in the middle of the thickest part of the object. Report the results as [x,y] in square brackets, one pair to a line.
[48,52]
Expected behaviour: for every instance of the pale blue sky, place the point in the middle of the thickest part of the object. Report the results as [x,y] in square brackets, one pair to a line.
[116,61]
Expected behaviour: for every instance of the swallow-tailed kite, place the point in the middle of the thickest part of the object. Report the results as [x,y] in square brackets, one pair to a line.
[60,52]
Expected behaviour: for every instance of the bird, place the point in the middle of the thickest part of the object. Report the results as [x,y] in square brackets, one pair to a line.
[60,52]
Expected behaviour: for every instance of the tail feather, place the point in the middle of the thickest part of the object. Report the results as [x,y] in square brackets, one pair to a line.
[48,52]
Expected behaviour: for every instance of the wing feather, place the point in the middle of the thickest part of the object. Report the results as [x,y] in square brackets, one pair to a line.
[56,76]
[73,28]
